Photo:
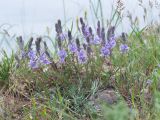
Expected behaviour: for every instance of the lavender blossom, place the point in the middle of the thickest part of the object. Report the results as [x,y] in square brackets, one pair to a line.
[62,55]
[33,59]
[98,29]
[105,52]
[108,45]
[21,47]
[38,45]
[112,42]
[33,64]
[62,36]
[85,29]
[96,40]
[30,44]
[32,55]
[44,60]
[72,47]
[124,48]
[103,36]
[23,54]
[110,32]
[20,42]
[58,27]
[81,21]
[124,37]
[90,30]
[78,44]
[82,58]
[69,36]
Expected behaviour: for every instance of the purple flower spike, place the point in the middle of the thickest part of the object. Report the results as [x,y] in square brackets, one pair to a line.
[86,31]
[112,43]
[33,64]
[23,54]
[82,58]
[124,48]
[62,55]
[96,40]
[63,36]
[32,55]
[105,52]
[84,28]
[98,29]
[73,47]
[107,46]
[43,59]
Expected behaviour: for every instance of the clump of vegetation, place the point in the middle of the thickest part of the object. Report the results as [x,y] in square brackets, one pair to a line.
[6,65]
[92,74]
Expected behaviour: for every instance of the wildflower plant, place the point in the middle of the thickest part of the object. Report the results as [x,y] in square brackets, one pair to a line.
[80,59]
[124,48]
[84,66]
[36,58]
[85,50]
[83,56]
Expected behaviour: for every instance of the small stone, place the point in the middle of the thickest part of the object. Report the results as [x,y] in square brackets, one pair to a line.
[108,96]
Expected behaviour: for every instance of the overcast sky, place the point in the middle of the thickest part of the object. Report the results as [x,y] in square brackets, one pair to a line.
[32,16]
